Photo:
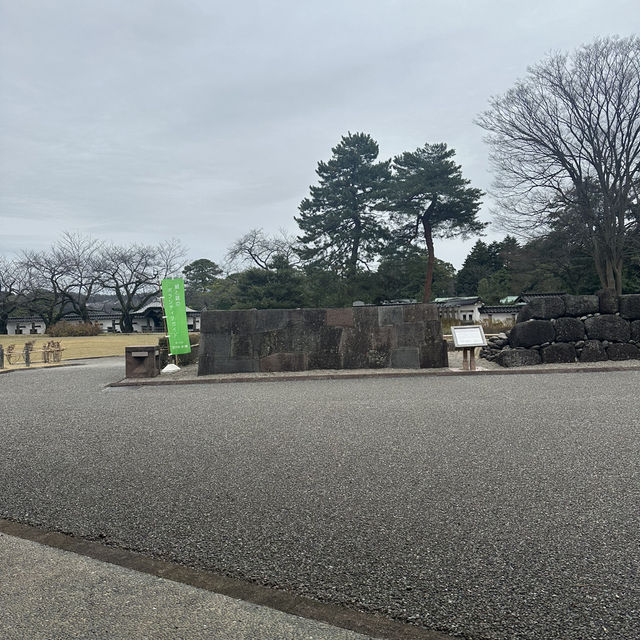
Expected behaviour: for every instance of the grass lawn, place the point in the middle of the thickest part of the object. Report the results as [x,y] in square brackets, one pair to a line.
[107,344]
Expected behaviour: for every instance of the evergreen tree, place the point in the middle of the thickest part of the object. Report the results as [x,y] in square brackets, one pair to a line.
[428,198]
[200,275]
[341,227]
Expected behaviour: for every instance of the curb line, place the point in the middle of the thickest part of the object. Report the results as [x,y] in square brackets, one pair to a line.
[152,382]
[301,606]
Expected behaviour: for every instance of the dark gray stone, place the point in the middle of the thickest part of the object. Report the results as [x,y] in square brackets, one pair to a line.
[530,333]
[623,351]
[593,351]
[434,355]
[405,358]
[285,362]
[630,306]
[272,319]
[240,321]
[559,352]
[546,307]
[273,339]
[581,305]
[410,334]
[608,327]
[524,315]
[569,330]
[635,330]
[608,301]
[518,358]
[391,314]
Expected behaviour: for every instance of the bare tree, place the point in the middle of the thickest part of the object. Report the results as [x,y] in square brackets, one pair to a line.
[13,290]
[256,248]
[80,258]
[47,285]
[133,274]
[567,137]
[63,279]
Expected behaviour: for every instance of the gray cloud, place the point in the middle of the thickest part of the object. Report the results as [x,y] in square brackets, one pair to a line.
[139,121]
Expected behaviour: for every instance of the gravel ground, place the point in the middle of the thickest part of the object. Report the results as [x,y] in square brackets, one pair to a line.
[481,506]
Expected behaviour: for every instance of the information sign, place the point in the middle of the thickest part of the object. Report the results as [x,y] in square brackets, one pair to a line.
[175,311]
[468,336]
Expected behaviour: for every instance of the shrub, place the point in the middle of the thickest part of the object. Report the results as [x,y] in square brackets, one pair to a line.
[183,358]
[64,329]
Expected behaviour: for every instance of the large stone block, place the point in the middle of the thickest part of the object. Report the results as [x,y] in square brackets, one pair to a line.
[635,330]
[623,351]
[420,312]
[405,358]
[365,318]
[608,301]
[534,332]
[272,319]
[410,334]
[559,352]
[546,307]
[340,317]
[434,355]
[569,330]
[328,352]
[390,315]
[236,365]
[241,345]
[593,351]
[581,305]
[630,306]
[239,321]
[518,358]
[285,362]
[608,327]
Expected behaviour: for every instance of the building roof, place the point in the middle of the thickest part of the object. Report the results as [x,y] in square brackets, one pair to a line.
[501,308]
[457,301]
[525,297]
[509,300]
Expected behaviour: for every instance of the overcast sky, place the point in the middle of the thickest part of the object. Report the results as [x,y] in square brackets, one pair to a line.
[143,120]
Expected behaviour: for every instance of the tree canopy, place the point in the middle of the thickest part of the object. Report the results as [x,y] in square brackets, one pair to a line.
[565,141]
[429,198]
[341,226]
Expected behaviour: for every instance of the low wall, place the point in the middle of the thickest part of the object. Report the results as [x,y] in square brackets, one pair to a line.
[571,329]
[399,336]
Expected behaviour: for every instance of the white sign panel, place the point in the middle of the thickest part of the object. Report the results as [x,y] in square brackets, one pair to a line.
[468,336]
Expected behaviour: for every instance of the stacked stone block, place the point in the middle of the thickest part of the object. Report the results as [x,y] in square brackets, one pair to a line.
[570,328]
[399,336]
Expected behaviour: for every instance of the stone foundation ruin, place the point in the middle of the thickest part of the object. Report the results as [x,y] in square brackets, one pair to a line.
[570,328]
[398,336]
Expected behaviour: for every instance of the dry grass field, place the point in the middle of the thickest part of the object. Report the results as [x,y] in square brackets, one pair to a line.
[77,347]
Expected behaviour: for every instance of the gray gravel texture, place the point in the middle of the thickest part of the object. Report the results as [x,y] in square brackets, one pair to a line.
[48,594]
[487,507]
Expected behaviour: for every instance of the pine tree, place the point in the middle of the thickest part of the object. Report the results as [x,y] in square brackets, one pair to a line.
[341,227]
[428,198]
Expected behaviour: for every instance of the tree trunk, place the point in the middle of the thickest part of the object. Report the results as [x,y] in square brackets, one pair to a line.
[126,323]
[430,260]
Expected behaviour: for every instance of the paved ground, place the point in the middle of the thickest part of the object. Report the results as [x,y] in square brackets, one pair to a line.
[46,593]
[489,507]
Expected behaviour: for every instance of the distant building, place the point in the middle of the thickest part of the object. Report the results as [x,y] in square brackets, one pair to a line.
[148,319]
[463,309]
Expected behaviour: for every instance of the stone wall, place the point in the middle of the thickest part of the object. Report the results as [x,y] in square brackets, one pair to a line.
[399,336]
[571,329]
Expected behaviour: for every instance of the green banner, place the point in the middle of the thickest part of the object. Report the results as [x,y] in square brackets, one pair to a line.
[175,311]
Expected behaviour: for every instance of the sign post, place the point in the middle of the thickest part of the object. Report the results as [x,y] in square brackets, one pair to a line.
[467,338]
[175,311]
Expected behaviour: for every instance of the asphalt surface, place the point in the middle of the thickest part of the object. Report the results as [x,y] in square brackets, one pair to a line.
[48,594]
[487,507]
